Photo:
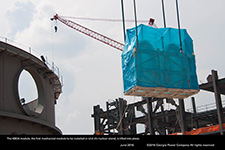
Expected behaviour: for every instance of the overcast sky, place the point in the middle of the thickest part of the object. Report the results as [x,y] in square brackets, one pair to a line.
[91,70]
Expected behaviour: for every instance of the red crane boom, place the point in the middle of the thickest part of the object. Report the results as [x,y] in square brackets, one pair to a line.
[89,32]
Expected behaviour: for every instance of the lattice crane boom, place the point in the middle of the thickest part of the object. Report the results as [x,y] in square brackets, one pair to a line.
[89,32]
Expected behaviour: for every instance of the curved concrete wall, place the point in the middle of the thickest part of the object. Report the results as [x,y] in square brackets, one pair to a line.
[14,117]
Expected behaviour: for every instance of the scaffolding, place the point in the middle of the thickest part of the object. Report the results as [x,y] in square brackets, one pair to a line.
[121,118]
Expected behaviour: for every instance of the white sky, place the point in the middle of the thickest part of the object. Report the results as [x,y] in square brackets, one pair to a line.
[91,70]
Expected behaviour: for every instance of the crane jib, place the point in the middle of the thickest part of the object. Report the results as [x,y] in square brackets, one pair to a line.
[90,33]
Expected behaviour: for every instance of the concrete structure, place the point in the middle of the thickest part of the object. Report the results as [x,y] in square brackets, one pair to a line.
[37,116]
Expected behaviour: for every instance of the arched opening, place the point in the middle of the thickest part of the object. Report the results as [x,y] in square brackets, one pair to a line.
[27,88]
[28,94]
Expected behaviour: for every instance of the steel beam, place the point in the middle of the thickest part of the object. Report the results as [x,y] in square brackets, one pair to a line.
[150,120]
[183,125]
[133,126]
[96,118]
[194,111]
[121,113]
[218,100]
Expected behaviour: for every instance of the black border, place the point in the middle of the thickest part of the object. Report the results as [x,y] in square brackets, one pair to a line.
[119,141]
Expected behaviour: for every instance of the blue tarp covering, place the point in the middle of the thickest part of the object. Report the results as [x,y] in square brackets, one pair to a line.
[158,62]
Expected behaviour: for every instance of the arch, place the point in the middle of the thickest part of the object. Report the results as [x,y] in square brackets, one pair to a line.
[36,106]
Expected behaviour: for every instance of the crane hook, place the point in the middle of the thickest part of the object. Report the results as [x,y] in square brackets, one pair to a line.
[56,28]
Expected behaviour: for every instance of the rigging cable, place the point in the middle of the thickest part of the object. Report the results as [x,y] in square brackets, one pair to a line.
[181,48]
[101,19]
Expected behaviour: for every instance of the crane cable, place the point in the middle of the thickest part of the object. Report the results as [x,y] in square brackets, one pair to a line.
[107,20]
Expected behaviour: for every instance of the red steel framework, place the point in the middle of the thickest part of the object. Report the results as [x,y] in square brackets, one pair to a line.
[89,32]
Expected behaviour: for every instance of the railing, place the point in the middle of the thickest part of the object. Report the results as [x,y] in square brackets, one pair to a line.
[51,65]
[205,108]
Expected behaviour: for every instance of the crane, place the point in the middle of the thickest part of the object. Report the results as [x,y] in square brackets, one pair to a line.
[93,34]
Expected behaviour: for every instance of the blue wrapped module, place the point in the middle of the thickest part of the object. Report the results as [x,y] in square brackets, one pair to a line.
[158,67]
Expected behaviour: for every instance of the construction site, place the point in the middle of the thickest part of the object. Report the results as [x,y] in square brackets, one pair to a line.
[158,66]
[202,120]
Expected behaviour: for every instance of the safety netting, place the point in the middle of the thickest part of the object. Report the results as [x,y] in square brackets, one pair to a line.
[203,130]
